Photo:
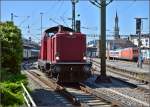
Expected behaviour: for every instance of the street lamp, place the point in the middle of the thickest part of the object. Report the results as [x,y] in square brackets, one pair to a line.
[12,17]
[41,22]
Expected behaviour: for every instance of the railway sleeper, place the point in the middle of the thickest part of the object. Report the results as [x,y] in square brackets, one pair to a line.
[112,102]
[70,97]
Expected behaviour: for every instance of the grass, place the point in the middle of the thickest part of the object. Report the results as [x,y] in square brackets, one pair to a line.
[10,88]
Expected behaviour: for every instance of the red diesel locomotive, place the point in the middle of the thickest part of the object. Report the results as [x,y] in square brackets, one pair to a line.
[63,55]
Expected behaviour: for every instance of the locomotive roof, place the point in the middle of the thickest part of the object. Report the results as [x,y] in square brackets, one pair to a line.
[58,28]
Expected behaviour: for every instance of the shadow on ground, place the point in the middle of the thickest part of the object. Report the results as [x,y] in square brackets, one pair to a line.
[115,83]
[47,98]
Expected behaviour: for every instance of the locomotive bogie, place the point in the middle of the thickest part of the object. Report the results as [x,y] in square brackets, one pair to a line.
[67,72]
[73,73]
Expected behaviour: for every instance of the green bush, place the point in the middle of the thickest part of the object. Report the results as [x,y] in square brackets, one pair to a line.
[13,87]
[11,58]
[8,97]
[11,47]
[10,88]
[11,77]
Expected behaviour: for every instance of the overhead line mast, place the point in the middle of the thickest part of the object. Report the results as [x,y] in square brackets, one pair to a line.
[102,40]
[73,13]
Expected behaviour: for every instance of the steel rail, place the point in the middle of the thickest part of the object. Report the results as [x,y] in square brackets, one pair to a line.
[126,76]
[141,77]
[114,102]
[71,97]
[84,89]
[56,87]
[131,84]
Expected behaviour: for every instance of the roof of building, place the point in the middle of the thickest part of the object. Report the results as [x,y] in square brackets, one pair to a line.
[120,43]
[30,43]
[142,35]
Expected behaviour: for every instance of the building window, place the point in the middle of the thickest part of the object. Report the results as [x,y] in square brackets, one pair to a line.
[146,40]
[146,44]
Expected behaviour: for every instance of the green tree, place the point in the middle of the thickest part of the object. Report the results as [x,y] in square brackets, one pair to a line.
[11,47]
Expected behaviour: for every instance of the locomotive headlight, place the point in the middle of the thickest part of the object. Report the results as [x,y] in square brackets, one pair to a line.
[84,58]
[70,33]
[57,58]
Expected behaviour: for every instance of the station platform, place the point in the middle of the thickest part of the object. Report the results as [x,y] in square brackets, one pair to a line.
[126,65]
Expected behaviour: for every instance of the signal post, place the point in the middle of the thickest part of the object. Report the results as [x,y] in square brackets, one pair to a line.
[138,32]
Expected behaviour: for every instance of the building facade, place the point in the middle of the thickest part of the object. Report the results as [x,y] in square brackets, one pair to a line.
[30,49]
[145,44]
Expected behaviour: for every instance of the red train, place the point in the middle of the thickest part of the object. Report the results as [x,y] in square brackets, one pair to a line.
[126,53]
[63,55]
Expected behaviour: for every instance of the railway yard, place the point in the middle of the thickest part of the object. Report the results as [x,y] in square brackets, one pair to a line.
[75,53]
[123,91]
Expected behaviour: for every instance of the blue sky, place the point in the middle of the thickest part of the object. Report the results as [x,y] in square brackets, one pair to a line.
[60,10]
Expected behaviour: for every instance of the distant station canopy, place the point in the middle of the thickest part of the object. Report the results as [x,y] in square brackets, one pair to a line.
[58,29]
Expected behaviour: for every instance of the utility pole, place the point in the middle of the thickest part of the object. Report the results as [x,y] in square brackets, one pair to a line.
[73,14]
[102,41]
[41,22]
[12,17]
[29,42]
[28,30]
[138,32]
[108,50]
[103,38]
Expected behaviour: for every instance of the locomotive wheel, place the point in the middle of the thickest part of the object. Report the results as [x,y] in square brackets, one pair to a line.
[38,66]
[49,74]
[42,69]
[54,75]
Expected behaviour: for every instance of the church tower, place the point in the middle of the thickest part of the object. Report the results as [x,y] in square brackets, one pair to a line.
[116,29]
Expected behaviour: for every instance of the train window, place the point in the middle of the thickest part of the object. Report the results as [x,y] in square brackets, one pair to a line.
[50,34]
[135,51]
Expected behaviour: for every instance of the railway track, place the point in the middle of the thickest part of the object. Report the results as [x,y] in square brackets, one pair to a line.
[127,96]
[78,95]
[85,99]
[133,96]
[137,76]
